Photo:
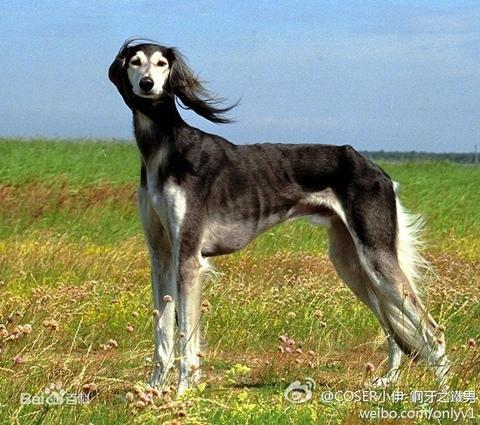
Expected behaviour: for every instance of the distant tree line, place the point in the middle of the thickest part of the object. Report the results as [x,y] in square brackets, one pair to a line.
[462,158]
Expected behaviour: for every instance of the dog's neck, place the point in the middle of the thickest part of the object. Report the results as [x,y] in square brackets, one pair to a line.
[156,125]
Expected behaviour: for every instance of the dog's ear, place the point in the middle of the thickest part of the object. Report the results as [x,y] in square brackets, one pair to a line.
[118,75]
[183,83]
[117,66]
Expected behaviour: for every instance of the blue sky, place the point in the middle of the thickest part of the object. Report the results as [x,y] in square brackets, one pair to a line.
[392,75]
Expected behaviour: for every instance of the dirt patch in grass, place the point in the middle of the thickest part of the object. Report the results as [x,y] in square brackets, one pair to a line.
[37,198]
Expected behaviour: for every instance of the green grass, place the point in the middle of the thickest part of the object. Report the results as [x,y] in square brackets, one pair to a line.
[75,162]
[71,250]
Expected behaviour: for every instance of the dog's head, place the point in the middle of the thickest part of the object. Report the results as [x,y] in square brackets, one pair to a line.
[146,73]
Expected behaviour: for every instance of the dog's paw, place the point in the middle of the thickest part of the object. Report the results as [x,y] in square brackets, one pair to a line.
[385,381]
[380,383]
[188,382]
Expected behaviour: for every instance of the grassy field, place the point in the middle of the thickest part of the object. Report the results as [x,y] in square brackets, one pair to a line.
[75,306]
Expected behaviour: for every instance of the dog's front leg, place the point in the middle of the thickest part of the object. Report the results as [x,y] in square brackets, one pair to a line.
[164,294]
[164,289]
[189,285]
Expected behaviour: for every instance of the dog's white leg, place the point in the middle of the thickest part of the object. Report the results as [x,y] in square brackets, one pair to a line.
[394,361]
[189,315]
[440,364]
[164,294]
[164,289]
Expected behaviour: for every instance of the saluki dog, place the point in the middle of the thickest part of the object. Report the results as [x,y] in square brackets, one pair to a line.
[201,196]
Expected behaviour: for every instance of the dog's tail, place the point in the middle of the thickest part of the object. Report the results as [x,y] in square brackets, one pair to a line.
[410,245]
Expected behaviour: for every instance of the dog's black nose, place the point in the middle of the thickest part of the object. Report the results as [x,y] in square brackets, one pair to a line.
[146,83]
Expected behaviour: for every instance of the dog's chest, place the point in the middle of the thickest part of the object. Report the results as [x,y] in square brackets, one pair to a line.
[170,204]
[167,197]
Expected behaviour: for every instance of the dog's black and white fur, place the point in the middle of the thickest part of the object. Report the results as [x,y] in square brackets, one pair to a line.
[202,196]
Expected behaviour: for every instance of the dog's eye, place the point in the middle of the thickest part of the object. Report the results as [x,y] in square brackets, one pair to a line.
[135,62]
[161,63]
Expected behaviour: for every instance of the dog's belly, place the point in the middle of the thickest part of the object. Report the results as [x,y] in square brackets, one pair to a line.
[224,236]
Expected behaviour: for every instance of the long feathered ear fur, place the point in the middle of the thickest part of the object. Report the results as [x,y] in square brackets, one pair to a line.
[117,75]
[183,83]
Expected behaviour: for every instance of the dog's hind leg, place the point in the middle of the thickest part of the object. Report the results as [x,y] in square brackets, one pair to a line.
[411,326]
[343,254]
[164,290]
[375,226]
